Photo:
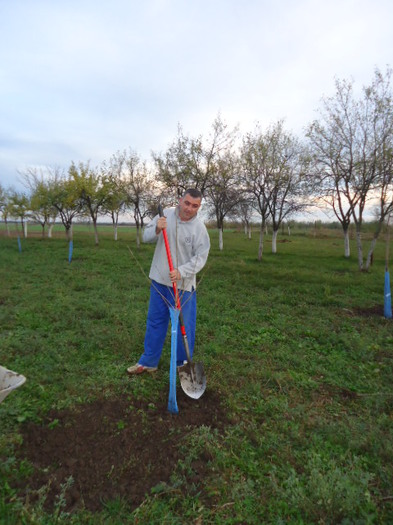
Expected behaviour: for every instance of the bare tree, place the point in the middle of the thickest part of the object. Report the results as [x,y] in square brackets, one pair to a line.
[116,199]
[139,187]
[253,179]
[352,149]
[190,162]
[223,193]
[286,182]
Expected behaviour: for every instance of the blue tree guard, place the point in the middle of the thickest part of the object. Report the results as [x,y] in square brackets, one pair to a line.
[387,304]
[172,403]
[19,244]
[70,249]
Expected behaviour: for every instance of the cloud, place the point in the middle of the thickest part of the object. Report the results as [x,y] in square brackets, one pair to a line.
[80,80]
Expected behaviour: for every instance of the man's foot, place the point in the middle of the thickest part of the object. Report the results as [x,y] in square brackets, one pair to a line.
[139,369]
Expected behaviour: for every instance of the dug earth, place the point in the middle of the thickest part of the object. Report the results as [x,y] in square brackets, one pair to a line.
[113,448]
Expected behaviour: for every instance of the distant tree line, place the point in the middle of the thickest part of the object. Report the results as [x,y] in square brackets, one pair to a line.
[344,163]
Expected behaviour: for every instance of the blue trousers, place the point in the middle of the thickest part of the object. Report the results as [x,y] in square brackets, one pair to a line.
[158,319]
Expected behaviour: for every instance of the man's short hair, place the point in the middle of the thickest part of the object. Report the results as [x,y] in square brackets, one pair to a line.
[194,193]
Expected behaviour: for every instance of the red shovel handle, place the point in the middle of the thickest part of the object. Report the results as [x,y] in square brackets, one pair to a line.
[169,257]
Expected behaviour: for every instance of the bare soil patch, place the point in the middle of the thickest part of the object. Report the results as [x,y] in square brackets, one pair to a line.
[116,448]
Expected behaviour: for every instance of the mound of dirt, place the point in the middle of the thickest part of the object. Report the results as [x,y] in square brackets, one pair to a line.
[113,448]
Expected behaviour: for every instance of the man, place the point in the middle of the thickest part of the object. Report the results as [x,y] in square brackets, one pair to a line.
[190,244]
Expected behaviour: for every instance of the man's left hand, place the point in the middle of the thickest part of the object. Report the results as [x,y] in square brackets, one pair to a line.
[175,275]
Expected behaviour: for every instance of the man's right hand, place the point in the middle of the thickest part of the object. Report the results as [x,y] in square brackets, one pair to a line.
[161,225]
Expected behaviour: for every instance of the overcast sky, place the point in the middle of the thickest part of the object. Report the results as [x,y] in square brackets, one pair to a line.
[82,79]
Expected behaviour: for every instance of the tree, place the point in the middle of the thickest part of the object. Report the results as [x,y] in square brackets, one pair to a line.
[244,210]
[286,184]
[41,208]
[5,207]
[190,162]
[116,199]
[19,208]
[223,193]
[254,176]
[352,149]
[66,199]
[92,188]
[139,189]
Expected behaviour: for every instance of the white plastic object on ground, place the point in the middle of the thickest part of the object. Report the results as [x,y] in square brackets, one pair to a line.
[9,380]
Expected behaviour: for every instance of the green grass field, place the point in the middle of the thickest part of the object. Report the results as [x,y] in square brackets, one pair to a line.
[296,347]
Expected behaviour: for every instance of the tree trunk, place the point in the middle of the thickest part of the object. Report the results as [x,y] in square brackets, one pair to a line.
[95,232]
[370,253]
[69,232]
[360,247]
[50,228]
[115,231]
[43,230]
[249,231]
[24,226]
[260,248]
[373,243]
[221,238]
[347,249]
[274,241]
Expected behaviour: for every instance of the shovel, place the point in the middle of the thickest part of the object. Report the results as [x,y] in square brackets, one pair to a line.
[192,375]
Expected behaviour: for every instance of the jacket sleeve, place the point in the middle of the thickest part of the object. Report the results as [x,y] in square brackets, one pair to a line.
[149,232]
[198,261]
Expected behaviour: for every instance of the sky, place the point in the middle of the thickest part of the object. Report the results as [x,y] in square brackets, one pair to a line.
[82,79]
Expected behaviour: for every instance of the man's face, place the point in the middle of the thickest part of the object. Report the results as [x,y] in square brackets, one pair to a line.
[188,207]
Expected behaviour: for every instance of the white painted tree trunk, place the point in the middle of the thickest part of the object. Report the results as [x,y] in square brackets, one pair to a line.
[249,231]
[115,232]
[96,233]
[221,239]
[274,241]
[289,231]
[50,229]
[25,229]
[347,249]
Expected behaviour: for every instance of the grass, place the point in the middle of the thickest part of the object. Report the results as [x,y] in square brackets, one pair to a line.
[305,374]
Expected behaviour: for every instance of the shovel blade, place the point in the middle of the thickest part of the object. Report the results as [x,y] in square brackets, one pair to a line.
[193,379]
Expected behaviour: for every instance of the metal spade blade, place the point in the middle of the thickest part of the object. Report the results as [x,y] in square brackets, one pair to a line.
[192,379]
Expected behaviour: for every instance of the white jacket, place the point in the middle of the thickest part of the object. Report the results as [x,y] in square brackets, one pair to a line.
[189,243]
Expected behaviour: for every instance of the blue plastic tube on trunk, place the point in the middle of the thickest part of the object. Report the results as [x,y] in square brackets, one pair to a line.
[172,403]
[70,250]
[387,305]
